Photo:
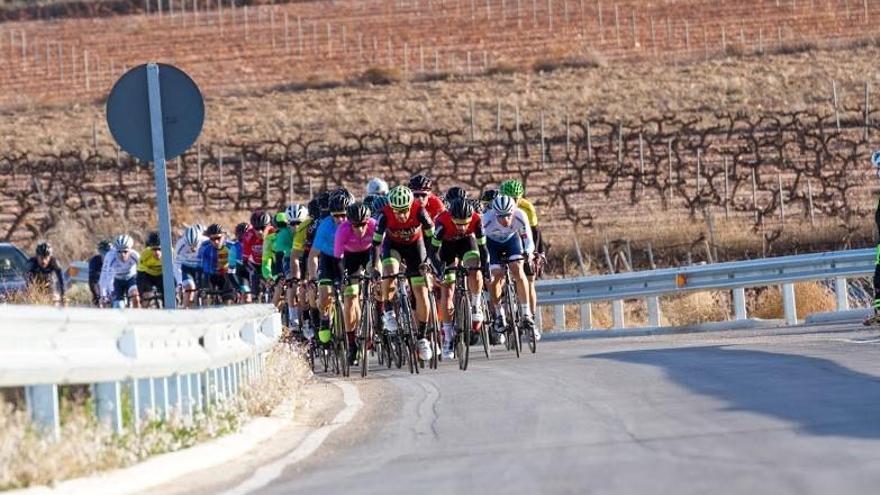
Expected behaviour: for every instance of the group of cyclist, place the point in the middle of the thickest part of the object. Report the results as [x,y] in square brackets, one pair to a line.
[303,254]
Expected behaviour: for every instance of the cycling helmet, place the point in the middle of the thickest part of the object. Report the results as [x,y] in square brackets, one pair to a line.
[342,191]
[488,195]
[296,214]
[513,188]
[420,183]
[103,246]
[339,202]
[314,208]
[192,236]
[324,200]
[279,220]
[378,205]
[44,249]
[357,212]
[152,239]
[213,230]
[123,242]
[200,228]
[255,215]
[504,205]
[400,197]
[240,229]
[262,221]
[455,192]
[461,208]
[377,187]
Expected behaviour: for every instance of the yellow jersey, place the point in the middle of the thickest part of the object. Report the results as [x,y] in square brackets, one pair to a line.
[529,209]
[150,262]
[300,237]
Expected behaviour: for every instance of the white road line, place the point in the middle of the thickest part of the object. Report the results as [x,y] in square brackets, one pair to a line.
[269,473]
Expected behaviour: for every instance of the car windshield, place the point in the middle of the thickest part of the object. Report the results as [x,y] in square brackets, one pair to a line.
[12,262]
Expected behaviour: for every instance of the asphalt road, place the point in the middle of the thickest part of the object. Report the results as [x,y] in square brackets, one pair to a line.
[770,411]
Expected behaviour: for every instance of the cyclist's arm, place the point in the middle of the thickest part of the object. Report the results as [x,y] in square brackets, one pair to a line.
[525,233]
[481,244]
[268,259]
[436,244]
[178,271]
[106,280]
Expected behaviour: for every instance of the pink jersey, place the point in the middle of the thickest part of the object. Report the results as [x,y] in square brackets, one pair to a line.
[348,241]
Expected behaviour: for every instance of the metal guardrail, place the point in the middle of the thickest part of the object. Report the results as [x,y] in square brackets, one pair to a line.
[171,360]
[735,276]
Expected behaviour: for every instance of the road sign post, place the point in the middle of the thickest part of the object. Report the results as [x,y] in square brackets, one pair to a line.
[155,112]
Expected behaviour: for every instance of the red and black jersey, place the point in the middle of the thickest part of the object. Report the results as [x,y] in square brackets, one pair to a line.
[447,231]
[434,205]
[406,232]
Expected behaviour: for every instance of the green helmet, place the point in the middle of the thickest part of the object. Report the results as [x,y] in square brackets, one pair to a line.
[400,197]
[279,220]
[512,188]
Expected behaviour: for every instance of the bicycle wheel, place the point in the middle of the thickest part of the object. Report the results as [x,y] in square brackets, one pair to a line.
[405,325]
[533,342]
[366,334]
[341,338]
[463,326]
[484,330]
[513,321]
[433,331]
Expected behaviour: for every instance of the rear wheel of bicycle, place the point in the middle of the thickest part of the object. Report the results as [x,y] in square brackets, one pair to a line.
[405,326]
[463,326]
[366,335]
[341,337]
[485,329]
[433,332]
[513,322]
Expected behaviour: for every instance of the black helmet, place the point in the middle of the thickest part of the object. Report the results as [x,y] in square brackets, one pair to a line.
[379,203]
[488,195]
[314,208]
[343,191]
[461,208]
[214,229]
[420,183]
[152,239]
[103,246]
[255,215]
[339,202]
[262,220]
[455,192]
[240,229]
[357,212]
[44,249]
[324,200]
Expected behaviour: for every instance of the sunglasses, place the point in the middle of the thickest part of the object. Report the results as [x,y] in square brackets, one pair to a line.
[461,223]
[216,238]
[359,224]
[401,211]
[504,215]
[420,194]
[338,215]
[125,251]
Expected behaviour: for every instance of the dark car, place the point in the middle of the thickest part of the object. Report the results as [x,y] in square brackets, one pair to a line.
[13,263]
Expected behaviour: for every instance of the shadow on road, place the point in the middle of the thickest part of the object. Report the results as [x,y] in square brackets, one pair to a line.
[817,395]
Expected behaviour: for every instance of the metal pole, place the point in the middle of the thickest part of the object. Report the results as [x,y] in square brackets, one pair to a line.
[158,136]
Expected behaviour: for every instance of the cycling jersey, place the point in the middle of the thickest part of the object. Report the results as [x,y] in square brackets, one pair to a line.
[407,232]
[234,254]
[150,261]
[301,239]
[325,236]
[95,264]
[284,241]
[348,241]
[433,205]
[117,269]
[38,275]
[501,234]
[529,209]
[252,246]
[186,258]
[214,260]
[448,231]
[267,262]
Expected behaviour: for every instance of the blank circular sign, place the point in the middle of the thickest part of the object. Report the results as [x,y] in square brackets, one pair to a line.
[128,112]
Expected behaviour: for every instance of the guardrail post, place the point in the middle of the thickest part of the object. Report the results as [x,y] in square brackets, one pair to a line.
[42,402]
[653,310]
[842,291]
[146,397]
[161,387]
[586,316]
[617,314]
[108,404]
[789,304]
[227,377]
[200,390]
[175,398]
[188,398]
[739,303]
[219,384]
[559,317]
[236,376]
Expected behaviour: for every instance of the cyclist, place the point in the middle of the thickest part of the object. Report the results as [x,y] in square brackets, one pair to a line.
[400,235]
[421,186]
[119,272]
[377,206]
[458,239]
[272,263]
[508,235]
[296,215]
[252,246]
[874,319]
[328,266]
[95,264]
[453,193]
[149,267]
[43,274]
[214,256]
[377,187]
[514,188]
[351,246]
[187,266]
[238,274]
[304,270]
[486,199]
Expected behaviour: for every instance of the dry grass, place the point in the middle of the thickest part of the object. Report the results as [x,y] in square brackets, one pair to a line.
[810,297]
[28,458]
[381,76]
[697,307]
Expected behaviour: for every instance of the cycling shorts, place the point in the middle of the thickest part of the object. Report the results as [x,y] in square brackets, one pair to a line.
[512,249]
[451,251]
[190,274]
[412,255]
[124,286]
[146,282]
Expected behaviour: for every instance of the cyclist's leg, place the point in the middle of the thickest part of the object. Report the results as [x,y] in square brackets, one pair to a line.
[414,255]
[132,291]
[529,270]
[390,266]
[144,285]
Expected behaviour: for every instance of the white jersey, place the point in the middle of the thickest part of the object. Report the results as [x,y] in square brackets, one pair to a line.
[184,256]
[519,226]
[114,268]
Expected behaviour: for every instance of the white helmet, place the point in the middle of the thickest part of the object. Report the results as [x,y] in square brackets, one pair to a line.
[296,213]
[504,205]
[199,227]
[123,242]
[424,349]
[377,187]
[192,236]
